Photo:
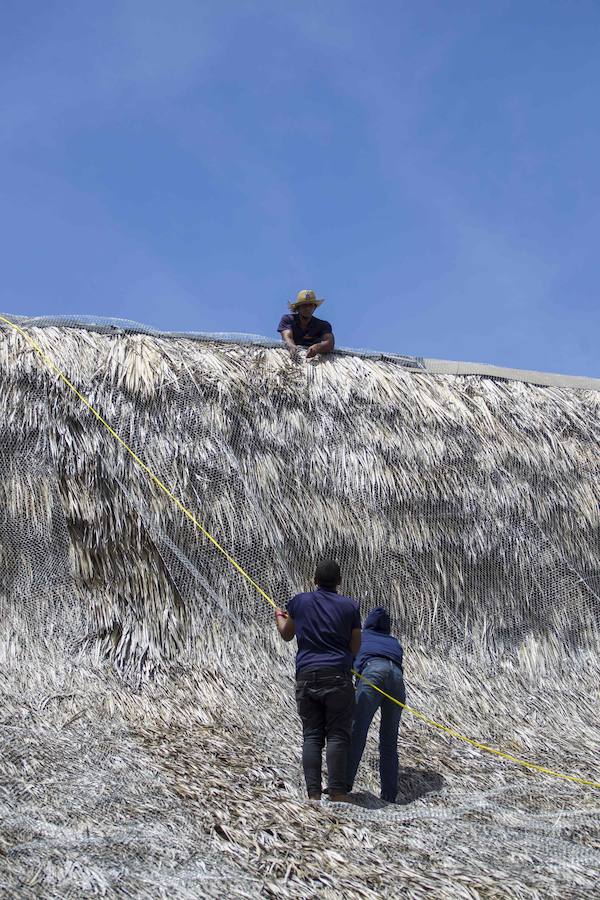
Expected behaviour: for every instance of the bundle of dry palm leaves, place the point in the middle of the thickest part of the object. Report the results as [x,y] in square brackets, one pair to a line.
[149,743]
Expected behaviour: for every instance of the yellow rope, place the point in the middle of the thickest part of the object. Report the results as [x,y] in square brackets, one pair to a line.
[480,746]
[52,365]
[431,722]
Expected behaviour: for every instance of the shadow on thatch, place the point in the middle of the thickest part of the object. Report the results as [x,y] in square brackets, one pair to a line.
[412,785]
[416,783]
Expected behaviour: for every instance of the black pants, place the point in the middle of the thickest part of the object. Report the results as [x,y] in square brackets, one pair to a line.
[325,699]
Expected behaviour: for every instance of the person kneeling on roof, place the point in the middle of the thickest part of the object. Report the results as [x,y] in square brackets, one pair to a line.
[327,627]
[300,328]
[380,665]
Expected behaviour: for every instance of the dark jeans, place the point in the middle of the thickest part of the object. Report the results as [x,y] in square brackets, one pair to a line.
[388,676]
[325,699]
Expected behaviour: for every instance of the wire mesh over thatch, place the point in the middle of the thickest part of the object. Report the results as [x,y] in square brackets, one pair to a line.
[149,744]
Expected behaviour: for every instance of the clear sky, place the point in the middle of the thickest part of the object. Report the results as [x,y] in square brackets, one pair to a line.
[431,168]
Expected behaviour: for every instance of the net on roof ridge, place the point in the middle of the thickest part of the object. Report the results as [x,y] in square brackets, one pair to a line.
[115,325]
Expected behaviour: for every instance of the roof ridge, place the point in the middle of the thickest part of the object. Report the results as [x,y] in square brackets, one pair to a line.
[109,325]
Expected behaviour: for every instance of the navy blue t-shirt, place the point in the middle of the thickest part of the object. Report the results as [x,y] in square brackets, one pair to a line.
[314,332]
[324,623]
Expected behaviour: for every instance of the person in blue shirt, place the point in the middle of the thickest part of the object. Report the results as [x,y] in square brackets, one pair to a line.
[380,664]
[300,328]
[327,628]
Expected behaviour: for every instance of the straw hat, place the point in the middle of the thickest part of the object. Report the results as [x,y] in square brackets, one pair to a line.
[303,297]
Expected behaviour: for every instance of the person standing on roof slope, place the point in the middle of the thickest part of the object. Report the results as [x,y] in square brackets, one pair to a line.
[380,663]
[327,627]
[300,328]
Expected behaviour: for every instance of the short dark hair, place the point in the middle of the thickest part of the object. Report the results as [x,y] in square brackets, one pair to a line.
[327,574]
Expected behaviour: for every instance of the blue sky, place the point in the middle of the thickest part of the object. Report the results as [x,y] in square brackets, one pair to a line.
[431,168]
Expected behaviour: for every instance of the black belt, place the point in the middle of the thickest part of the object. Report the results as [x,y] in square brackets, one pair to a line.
[318,674]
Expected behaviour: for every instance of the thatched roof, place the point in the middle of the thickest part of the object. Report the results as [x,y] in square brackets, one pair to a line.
[149,734]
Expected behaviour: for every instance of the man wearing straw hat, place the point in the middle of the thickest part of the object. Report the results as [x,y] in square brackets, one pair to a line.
[300,328]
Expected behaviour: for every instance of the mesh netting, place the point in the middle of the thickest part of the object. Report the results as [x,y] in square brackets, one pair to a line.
[150,744]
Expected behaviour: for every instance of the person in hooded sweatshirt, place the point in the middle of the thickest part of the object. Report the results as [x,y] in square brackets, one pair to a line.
[379,661]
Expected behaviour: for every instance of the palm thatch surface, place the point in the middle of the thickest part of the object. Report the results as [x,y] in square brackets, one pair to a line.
[149,745]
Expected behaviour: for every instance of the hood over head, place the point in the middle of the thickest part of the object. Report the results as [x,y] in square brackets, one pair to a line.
[378,620]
